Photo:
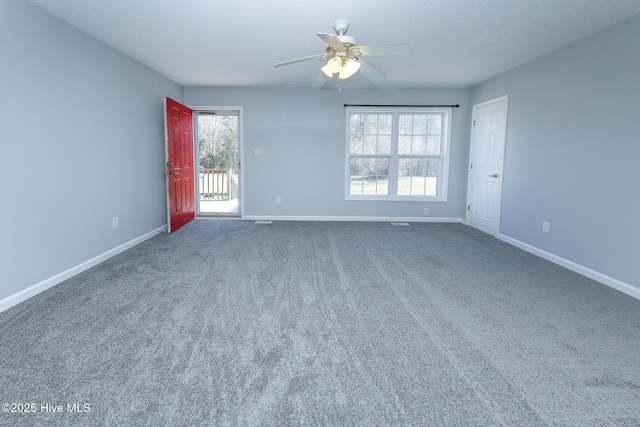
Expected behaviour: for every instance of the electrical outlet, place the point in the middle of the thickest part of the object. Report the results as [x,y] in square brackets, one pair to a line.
[546,226]
[257,152]
[426,211]
[277,199]
[116,222]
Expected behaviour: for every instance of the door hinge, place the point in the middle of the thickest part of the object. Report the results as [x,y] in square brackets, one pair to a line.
[471,166]
[468,207]
[474,122]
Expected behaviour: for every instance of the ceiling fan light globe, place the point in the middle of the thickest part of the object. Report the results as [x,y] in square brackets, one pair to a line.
[335,64]
[351,66]
[327,71]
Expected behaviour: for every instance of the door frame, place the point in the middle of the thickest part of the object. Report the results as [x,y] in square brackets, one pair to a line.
[504,147]
[200,108]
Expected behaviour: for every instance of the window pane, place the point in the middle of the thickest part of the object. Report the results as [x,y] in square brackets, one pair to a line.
[384,124]
[418,144]
[382,176]
[384,144]
[419,124]
[405,124]
[356,167]
[356,144]
[370,124]
[433,145]
[412,134]
[356,137]
[356,176]
[370,144]
[417,176]
[355,122]
[435,124]
[370,133]
[369,176]
[404,144]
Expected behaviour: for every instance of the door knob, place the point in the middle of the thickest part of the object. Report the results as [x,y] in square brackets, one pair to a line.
[495,175]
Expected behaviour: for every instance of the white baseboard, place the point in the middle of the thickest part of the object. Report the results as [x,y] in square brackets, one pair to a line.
[592,274]
[27,293]
[349,218]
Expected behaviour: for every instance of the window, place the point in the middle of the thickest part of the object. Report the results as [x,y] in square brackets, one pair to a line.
[397,154]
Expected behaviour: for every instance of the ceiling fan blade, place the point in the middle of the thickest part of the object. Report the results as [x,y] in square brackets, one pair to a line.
[320,80]
[332,40]
[306,58]
[370,72]
[386,49]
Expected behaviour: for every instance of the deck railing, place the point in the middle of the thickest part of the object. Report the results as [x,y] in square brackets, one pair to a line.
[214,184]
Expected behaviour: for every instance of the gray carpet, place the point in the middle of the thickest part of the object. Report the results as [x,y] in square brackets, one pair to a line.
[226,322]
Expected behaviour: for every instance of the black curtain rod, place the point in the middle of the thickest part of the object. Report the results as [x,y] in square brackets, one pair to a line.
[390,105]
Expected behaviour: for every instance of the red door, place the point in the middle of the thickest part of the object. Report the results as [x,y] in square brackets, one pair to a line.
[179,167]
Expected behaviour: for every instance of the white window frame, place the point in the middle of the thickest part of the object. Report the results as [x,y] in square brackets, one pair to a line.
[443,170]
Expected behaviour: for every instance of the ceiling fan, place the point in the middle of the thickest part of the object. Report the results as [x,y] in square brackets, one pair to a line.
[345,56]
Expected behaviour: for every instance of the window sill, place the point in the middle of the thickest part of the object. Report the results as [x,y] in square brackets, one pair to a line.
[398,198]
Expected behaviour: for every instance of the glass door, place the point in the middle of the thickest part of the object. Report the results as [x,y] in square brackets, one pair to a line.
[218,163]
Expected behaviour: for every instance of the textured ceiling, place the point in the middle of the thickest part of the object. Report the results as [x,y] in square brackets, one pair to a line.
[234,43]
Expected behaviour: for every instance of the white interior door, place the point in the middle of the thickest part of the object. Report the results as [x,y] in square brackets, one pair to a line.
[486,160]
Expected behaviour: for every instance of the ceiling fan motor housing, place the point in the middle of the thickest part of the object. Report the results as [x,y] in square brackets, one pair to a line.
[347,39]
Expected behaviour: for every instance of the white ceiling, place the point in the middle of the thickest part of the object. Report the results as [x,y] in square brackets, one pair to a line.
[234,43]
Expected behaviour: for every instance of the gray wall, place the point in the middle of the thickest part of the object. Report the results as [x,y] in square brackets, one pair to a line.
[82,142]
[301,133]
[573,151]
